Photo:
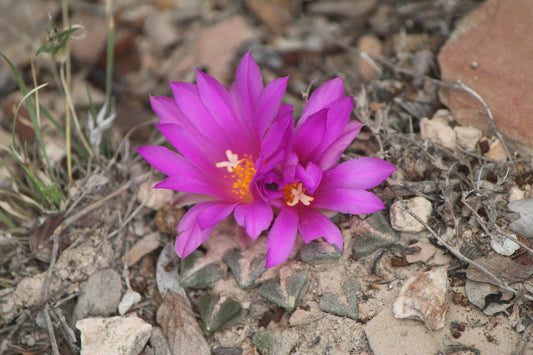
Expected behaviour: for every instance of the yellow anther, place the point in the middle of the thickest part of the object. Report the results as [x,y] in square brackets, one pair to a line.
[243,171]
[297,193]
[232,162]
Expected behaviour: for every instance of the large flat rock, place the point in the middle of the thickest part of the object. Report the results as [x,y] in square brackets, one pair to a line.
[490,51]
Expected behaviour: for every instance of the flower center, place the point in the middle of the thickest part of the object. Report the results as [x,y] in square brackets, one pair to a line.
[243,171]
[295,193]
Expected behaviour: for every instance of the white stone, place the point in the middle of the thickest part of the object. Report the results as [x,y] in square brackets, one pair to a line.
[515,194]
[402,221]
[116,335]
[503,245]
[438,132]
[468,137]
[424,297]
[443,115]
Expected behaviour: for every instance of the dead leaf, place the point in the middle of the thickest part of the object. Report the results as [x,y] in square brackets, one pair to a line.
[39,245]
[505,269]
[179,325]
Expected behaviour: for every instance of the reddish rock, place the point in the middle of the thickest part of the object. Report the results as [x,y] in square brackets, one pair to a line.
[491,51]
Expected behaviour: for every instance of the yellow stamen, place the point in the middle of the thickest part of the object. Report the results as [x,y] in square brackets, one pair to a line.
[232,162]
[243,172]
[295,193]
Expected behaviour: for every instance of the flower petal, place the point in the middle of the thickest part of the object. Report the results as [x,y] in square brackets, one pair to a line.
[363,173]
[347,201]
[198,150]
[247,87]
[166,161]
[322,97]
[279,135]
[193,184]
[167,110]
[215,213]
[310,135]
[268,104]
[200,122]
[310,177]
[190,235]
[333,153]
[281,238]
[313,224]
[218,102]
[255,217]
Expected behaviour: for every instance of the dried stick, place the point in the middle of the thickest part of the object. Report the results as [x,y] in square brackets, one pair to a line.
[97,204]
[46,310]
[20,321]
[51,335]
[460,256]
[486,229]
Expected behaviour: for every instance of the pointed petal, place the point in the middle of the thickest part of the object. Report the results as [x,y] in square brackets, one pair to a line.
[280,133]
[215,213]
[247,87]
[348,201]
[309,135]
[255,217]
[195,148]
[189,240]
[313,225]
[363,173]
[337,119]
[167,110]
[218,102]
[190,235]
[310,177]
[333,153]
[193,184]
[166,161]
[281,238]
[248,76]
[268,104]
[199,121]
[322,97]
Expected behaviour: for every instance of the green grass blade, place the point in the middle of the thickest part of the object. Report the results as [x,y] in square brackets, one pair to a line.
[30,108]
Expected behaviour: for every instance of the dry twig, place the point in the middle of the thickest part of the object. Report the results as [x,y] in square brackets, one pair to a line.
[460,256]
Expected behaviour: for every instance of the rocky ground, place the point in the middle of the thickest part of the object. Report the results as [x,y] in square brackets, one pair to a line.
[442,87]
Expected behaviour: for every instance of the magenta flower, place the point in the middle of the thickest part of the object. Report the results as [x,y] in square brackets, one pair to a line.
[306,184]
[240,153]
[219,136]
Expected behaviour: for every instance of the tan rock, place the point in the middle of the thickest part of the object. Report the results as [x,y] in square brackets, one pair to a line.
[490,52]
[275,14]
[216,46]
[154,199]
[467,137]
[438,132]
[402,221]
[424,298]
[116,335]
[388,335]
[496,151]
[371,45]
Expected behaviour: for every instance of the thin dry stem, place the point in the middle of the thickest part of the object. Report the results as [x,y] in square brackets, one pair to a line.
[460,256]
[97,204]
